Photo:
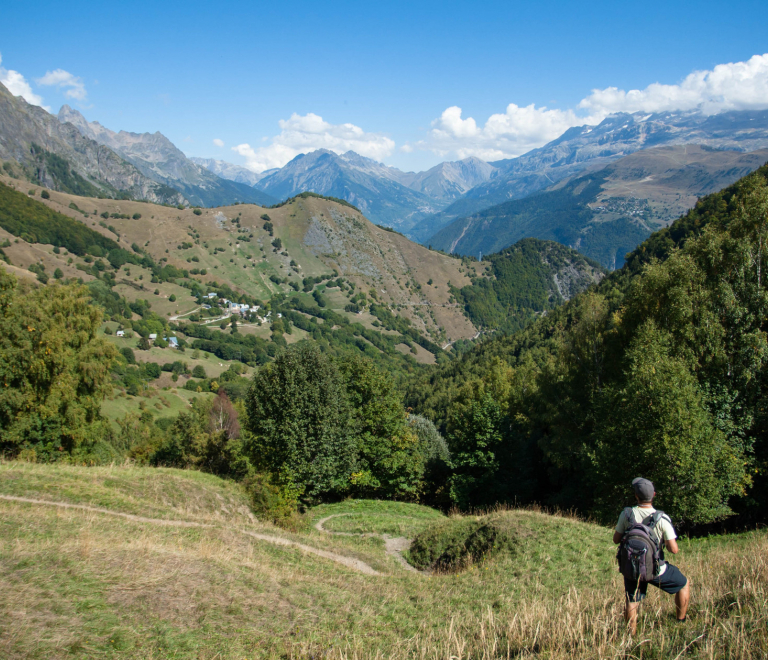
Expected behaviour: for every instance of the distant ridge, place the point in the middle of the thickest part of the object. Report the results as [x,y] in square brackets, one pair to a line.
[61,158]
[159,159]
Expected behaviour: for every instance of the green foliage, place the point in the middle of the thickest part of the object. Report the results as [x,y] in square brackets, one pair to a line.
[45,194]
[454,544]
[53,166]
[197,212]
[199,371]
[299,417]
[523,284]
[660,370]
[277,244]
[36,223]
[54,370]
[127,353]
[306,195]
[561,215]
[390,460]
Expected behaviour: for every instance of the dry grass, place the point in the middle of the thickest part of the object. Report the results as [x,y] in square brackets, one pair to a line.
[79,584]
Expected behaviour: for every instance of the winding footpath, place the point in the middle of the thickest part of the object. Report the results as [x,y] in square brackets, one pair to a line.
[394,546]
[349,562]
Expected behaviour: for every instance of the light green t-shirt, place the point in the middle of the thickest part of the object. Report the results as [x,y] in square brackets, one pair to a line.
[663,530]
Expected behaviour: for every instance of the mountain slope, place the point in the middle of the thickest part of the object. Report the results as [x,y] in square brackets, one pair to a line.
[230,171]
[525,281]
[606,213]
[585,147]
[64,159]
[159,159]
[372,187]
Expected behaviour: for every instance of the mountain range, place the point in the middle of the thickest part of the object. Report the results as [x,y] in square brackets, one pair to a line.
[585,147]
[609,211]
[464,206]
[60,157]
[159,159]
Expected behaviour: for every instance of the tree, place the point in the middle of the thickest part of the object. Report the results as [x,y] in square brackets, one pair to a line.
[172,298]
[389,457]
[127,353]
[58,274]
[656,424]
[298,415]
[277,244]
[54,367]
[199,371]
[144,344]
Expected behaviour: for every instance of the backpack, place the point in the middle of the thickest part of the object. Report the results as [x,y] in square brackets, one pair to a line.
[639,554]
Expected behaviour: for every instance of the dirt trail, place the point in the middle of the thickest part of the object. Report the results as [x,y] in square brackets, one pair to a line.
[349,562]
[394,546]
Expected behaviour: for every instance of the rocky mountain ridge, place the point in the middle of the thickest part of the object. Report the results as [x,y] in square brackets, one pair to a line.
[583,147]
[606,213]
[29,135]
[159,159]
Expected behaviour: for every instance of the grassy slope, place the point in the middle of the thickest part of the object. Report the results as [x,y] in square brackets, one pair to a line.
[80,584]
[389,261]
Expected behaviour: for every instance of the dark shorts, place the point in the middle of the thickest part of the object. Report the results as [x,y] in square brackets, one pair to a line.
[670,582]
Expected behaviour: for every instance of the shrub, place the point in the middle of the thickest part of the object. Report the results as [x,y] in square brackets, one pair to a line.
[137,216]
[172,298]
[45,194]
[199,371]
[455,543]
[127,353]
[197,212]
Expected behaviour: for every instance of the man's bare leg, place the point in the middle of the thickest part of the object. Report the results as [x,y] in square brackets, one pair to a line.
[630,615]
[682,599]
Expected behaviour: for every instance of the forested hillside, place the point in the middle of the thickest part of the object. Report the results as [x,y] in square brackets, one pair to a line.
[659,370]
[524,281]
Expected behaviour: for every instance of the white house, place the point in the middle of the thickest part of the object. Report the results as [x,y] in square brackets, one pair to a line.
[211,295]
[172,342]
[120,333]
[153,336]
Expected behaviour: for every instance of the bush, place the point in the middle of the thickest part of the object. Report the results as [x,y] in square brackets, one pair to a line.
[137,216]
[127,353]
[199,371]
[277,244]
[172,298]
[45,194]
[197,212]
[454,544]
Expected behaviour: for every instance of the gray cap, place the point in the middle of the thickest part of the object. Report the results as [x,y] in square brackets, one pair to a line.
[643,489]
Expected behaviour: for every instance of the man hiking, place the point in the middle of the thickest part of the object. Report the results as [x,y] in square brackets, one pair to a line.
[642,538]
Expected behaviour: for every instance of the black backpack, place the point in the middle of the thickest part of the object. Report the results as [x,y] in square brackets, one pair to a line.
[640,555]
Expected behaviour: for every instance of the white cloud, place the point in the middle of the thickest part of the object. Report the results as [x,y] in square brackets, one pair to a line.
[18,86]
[64,79]
[734,86]
[503,136]
[218,142]
[302,134]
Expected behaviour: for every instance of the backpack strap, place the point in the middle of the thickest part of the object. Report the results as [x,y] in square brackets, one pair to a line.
[655,518]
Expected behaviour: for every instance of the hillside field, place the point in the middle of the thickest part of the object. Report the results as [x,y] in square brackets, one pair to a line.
[84,582]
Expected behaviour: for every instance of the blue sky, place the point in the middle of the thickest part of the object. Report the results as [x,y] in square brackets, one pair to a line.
[387,79]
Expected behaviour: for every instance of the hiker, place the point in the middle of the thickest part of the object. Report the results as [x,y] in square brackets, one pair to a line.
[643,533]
